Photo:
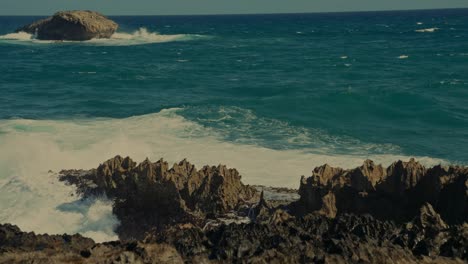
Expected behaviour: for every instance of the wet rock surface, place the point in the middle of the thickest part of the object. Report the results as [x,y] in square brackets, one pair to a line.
[405,213]
[72,25]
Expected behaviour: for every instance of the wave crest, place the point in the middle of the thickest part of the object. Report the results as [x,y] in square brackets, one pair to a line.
[427,30]
[139,37]
[33,199]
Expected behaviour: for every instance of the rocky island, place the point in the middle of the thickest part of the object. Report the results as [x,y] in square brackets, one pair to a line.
[72,25]
[405,213]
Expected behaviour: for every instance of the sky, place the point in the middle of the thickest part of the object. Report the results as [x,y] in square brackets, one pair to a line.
[185,7]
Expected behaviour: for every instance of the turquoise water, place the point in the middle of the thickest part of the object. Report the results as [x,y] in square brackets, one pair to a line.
[272,95]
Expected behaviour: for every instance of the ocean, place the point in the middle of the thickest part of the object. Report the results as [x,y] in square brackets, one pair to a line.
[271,95]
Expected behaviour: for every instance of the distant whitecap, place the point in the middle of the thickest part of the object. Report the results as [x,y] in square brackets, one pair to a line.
[138,37]
[427,30]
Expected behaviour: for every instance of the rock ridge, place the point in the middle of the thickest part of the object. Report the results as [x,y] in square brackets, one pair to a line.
[393,193]
[149,195]
[404,213]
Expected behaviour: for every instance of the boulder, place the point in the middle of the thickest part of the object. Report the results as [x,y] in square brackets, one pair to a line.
[72,25]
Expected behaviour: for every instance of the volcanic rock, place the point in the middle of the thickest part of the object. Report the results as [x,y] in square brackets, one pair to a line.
[395,193]
[150,195]
[72,25]
[22,247]
[401,214]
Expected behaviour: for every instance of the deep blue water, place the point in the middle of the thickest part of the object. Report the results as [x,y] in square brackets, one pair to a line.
[332,83]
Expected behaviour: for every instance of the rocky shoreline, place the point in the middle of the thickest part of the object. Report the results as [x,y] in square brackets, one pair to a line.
[405,213]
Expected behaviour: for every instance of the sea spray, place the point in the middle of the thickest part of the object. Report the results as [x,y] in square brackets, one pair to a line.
[138,37]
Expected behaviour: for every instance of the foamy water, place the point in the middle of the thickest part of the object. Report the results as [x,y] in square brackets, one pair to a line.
[138,37]
[30,148]
[427,30]
[258,97]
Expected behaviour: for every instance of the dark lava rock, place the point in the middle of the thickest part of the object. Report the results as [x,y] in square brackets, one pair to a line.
[11,238]
[21,247]
[72,25]
[401,214]
[314,238]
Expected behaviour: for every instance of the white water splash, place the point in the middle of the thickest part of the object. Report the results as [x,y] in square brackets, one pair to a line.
[427,30]
[138,37]
[32,198]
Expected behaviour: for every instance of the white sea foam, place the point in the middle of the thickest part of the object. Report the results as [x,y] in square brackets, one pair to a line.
[139,37]
[22,36]
[33,198]
[427,30]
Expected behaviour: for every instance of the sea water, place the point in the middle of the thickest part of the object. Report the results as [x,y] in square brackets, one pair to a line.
[271,95]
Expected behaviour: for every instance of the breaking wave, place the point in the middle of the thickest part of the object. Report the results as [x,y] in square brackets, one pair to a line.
[139,37]
[33,150]
[427,30]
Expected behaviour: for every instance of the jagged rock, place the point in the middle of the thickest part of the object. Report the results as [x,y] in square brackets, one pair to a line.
[262,211]
[395,193]
[311,239]
[402,176]
[279,217]
[427,234]
[430,219]
[328,208]
[21,247]
[151,195]
[72,25]
[11,238]
[364,215]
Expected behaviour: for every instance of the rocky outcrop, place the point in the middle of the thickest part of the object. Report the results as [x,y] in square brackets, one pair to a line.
[72,25]
[12,239]
[315,238]
[150,195]
[369,214]
[283,238]
[22,247]
[394,193]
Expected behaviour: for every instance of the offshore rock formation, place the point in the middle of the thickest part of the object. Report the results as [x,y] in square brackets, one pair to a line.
[394,193]
[150,195]
[72,25]
[369,214]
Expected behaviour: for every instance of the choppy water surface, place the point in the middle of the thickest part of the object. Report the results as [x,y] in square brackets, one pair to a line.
[272,95]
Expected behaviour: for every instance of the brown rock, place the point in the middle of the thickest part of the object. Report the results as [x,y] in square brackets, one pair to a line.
[72,25]
[395,193]
[151,195]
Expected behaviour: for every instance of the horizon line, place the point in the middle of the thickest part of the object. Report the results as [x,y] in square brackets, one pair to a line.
[266,13]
